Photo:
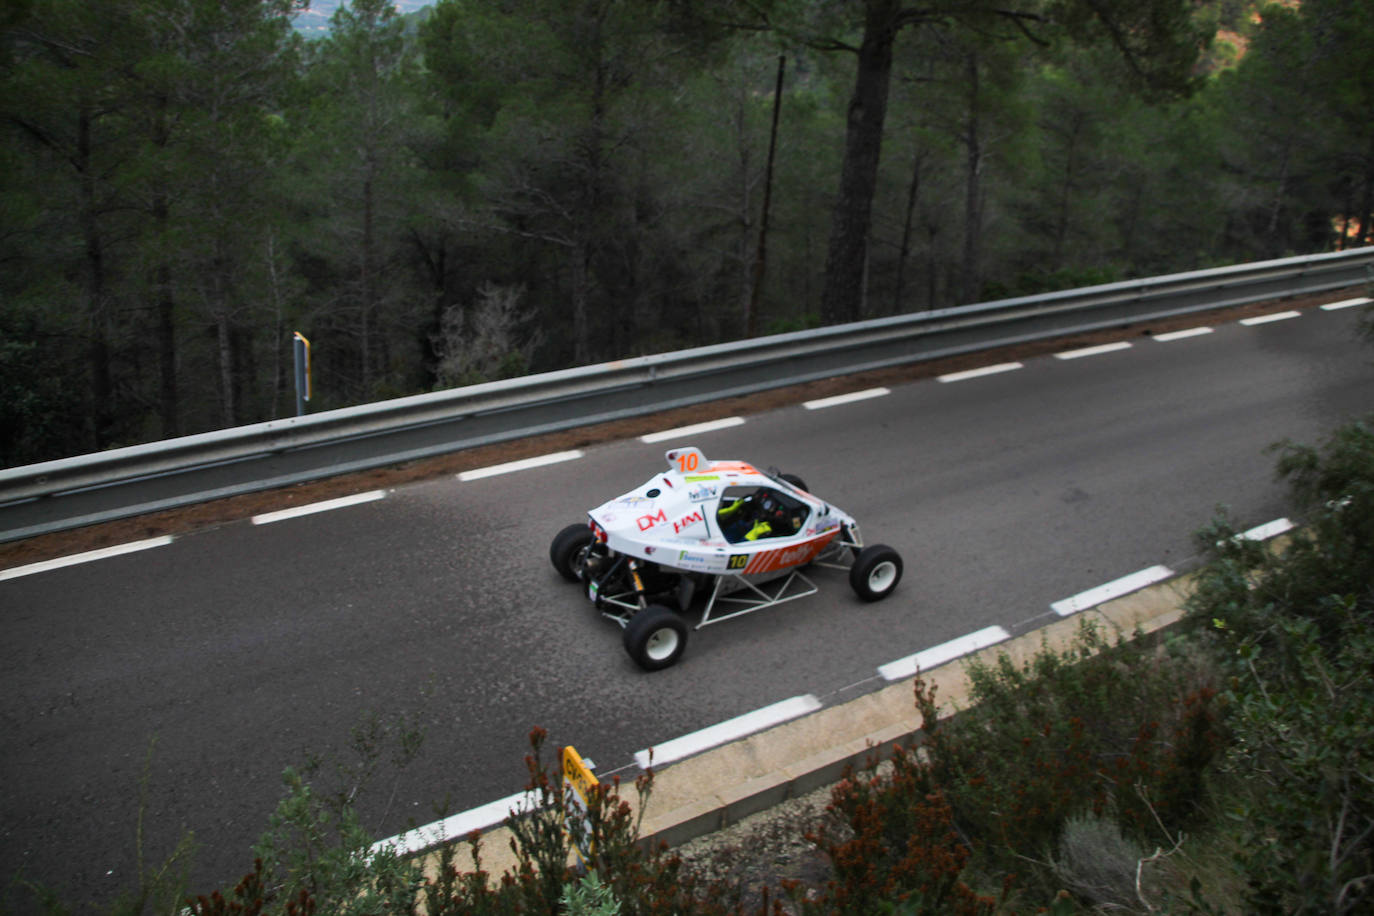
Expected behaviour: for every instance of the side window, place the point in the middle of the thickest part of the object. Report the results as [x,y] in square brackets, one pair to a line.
[755,513]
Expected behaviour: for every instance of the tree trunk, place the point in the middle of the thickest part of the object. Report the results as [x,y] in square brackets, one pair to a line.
[751,315]
[912,194]
[1273,243]
[581,264]
[842,298]
[168,406]
[427,333]
[97,305]
[1061,228]
[228,388]
[971,281]
[365,283]
[167,353]
[743,250]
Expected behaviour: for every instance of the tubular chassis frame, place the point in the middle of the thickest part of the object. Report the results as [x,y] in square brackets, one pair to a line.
[730,588]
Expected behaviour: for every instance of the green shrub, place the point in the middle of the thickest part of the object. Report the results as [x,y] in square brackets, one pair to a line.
[990,809]
[1123,731]
[1292,630]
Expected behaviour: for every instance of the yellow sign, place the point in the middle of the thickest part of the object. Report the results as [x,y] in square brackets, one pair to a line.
[578,783]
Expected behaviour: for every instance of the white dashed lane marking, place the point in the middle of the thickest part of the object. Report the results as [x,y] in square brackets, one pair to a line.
[1114,589]
[327,505]
[978,373]
[522,465]
[822,403]
[458,826]
[1267,530]
[938,655]
[1266,319]
[1345,304]
[695,429]
[1182,335]
[729,730]
[87,557]
[1094,351]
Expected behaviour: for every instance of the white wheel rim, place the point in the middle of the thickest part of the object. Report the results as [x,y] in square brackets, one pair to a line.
[882,576]
[662,643]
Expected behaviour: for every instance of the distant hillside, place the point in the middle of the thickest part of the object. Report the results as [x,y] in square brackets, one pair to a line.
[315,20]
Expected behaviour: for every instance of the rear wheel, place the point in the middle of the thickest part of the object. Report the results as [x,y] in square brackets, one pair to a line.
[655,638]
[569,550]
[795,481]
[876,572]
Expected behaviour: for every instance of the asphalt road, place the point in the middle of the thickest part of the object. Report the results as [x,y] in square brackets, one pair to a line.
[229,654]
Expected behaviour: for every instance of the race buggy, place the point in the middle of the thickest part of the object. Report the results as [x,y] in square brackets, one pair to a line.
[719,533]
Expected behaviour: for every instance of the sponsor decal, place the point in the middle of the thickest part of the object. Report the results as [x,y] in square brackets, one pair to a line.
[693,518]
[700,494]
[700,478]
[633,500]
[786,557]
[645,522]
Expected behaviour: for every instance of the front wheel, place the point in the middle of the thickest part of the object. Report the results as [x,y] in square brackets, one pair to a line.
[655,638]
[795,481]
[876,572]
[569,550]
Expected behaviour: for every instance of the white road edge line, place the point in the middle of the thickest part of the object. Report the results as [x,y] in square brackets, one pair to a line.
[524,464]
[692,430]
[457,826]
[327,505]
[1267,530]
[1114,589]
[1182,335]
[1346,303]
[1094,351]
[978,373]
[1265,319]
[822,403]
[938,655]
[87,557]
[729,730]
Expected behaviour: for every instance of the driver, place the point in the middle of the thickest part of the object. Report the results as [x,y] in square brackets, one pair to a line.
[762,513]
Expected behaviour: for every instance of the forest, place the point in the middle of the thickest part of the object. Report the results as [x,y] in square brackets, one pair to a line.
[488,188]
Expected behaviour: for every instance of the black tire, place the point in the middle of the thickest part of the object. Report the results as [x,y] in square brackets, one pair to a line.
[876,572]
[568,549]
[795,481]
[655,638]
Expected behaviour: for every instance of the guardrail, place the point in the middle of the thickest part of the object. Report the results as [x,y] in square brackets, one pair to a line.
[571,397]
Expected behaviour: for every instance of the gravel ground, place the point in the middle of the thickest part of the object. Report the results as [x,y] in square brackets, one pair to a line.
[763,850]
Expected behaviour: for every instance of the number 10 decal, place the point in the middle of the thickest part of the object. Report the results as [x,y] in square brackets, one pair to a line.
[687,460]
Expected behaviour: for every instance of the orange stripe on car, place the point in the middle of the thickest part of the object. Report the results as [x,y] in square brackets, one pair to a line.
[785,557]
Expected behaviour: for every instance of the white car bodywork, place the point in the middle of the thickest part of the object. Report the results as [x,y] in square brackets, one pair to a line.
[722,533]
[674,519]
